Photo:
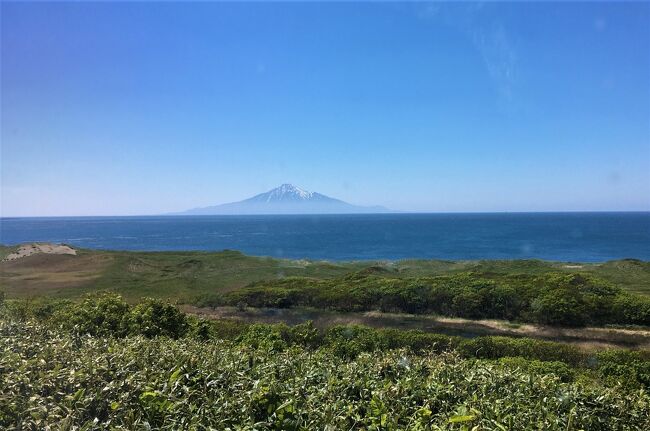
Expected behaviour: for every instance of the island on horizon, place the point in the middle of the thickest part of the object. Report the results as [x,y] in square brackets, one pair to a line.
[286,199]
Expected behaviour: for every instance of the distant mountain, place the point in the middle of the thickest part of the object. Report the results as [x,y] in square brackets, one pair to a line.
[286,199]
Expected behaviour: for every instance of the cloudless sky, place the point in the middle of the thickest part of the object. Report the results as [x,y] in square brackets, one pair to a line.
[145,108]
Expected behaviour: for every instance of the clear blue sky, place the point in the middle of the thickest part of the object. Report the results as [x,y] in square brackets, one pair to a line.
[148,108]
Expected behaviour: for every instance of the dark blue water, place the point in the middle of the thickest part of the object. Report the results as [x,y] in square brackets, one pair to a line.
[578,237]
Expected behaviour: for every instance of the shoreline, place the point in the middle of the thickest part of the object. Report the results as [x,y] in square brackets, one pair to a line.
[567,264]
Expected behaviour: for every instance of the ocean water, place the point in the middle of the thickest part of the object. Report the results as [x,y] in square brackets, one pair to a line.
[577,237]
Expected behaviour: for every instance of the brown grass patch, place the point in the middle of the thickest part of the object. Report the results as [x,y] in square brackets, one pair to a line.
[33,274]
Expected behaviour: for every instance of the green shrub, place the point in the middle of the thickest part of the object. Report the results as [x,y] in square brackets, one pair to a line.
[210,300]
[199,328]
[562,306]
[262,336]
[499,347]
[630,368]
[540,368]
[305,334]
[45,310]
[419,341]
[633,310]
[225,329]
[153,318]
[104,314]
[350,341]
[16,310]
[469,304]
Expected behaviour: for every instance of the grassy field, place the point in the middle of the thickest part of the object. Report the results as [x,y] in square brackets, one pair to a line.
[178,276]
[183,276]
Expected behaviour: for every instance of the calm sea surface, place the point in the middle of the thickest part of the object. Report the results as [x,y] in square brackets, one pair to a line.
[578,237]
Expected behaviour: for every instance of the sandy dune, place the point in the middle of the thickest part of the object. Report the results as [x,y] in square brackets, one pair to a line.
[30,249]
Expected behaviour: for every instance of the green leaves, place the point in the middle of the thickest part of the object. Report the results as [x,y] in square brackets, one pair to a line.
[175,375]
[137,383]
[461,419]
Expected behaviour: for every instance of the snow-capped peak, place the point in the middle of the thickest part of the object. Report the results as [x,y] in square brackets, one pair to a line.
[288,192]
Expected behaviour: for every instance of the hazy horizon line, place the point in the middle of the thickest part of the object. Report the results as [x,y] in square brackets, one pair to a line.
[390,212]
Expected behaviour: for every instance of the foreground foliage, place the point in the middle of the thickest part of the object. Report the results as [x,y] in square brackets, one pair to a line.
[108,315]
[66,380]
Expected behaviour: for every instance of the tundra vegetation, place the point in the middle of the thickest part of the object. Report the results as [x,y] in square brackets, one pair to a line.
[551,299]
[102,363]
[182,276]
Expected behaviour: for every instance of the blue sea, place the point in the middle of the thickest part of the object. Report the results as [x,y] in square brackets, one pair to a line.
[576,237]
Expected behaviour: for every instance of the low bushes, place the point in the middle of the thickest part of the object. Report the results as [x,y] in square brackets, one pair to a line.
[554,299]
[540,368]
[153,318]
[351,340]
[107,315]
[499,347]
[630,368]
[631,309]
[139,383]
[104,315]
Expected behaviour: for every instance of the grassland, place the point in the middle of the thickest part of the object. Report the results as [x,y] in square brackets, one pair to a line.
[177,276]
[183,276]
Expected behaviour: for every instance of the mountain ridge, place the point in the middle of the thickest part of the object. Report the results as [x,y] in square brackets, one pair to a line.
[286,199]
